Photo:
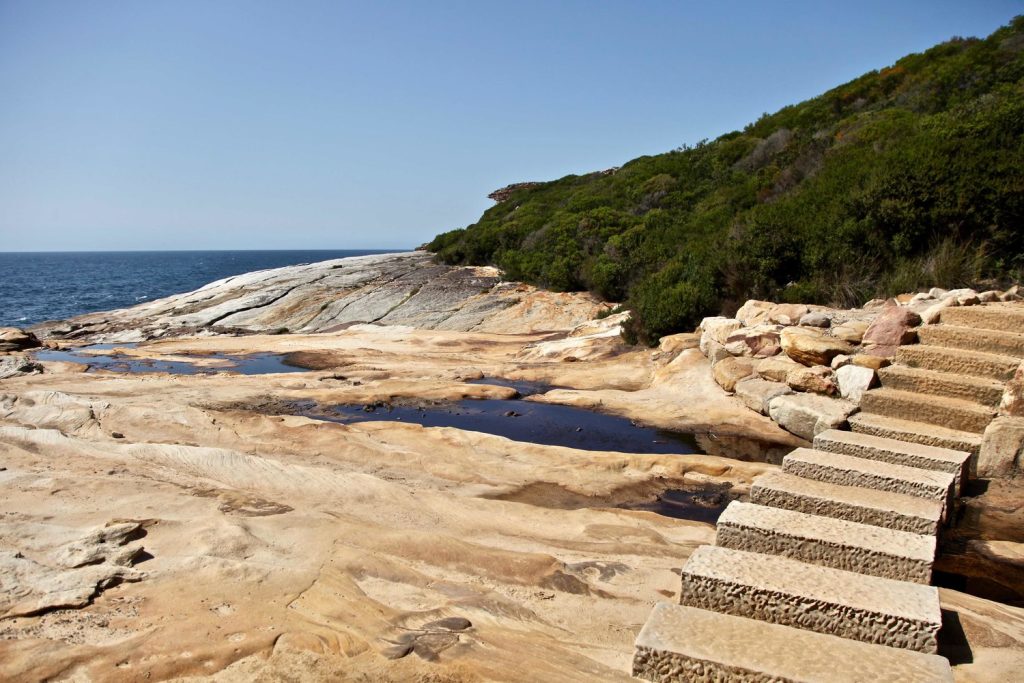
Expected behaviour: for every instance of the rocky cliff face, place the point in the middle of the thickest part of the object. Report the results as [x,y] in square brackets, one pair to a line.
[392,289]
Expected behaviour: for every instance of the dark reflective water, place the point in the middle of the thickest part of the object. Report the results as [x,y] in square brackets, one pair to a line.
[251,364]
[550,425]
[699,504]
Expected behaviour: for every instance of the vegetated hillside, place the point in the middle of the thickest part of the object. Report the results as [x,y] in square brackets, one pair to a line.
[905,177]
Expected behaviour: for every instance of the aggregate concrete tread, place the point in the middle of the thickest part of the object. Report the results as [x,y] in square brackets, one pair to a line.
[848,470]
[827,542]
[973,339]
[792,593]
[957,361]
[866,506]
[968,416]
[894,451]
[1004,317]
[915,432]
[987,392]
[679,643]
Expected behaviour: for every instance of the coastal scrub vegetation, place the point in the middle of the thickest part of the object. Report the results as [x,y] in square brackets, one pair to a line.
[906,177]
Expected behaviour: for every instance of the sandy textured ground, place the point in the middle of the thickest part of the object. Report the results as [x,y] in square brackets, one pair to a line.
[159,527]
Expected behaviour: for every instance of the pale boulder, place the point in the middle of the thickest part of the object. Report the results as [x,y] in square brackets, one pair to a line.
[841,360]
[716,329]
[731,370]
[807,415]
[754,312]
[757,393]
[811,347]
[778,368]
[1002,448]
[787,314]
[853,381]
[851,331]
[761,341]
[989,296]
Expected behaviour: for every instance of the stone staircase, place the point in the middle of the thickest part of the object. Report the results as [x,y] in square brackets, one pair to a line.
[823,575]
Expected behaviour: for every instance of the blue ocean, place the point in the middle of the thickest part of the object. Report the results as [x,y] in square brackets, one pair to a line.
[38,286]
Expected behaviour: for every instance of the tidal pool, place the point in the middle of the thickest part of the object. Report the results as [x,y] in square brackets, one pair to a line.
[248,364]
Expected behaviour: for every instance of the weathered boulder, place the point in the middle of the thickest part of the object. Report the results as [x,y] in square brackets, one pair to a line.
[778,368]
[989,296]
[1002,448]
[17,365]
[851,331]
[893,326]
[936,292]
[787,314]
[807,415]
[1013,395]
[730,370]
[1012,294]
[815,319]
[933,313]
[817,380]
[811,347]
[853,381]
[760,341]
[757,393]
[754,312]
[17,339]
[716,330]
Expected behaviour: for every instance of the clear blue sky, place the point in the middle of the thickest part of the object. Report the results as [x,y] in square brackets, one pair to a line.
[218,124]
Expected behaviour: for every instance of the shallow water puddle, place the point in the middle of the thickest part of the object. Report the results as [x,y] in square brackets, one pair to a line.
[250,364]
[540,423]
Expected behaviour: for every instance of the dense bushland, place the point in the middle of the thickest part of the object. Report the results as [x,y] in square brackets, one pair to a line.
[906,177]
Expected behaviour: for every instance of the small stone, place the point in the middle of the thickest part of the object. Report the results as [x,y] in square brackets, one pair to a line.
[854,380]
[893,326]
[815,319]
[841,360]
[116,435]
[777,369]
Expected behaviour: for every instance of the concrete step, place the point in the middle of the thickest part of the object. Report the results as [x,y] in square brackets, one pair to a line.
[895,452]
[827,542]
[915,432]
[847,470]
[679,643]
[832,601]
[958,361]
[865,506]
[999,342]
[953,413]
[1003,317]
[987,392]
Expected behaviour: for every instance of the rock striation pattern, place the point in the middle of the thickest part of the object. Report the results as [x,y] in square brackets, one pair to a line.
[389,289]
